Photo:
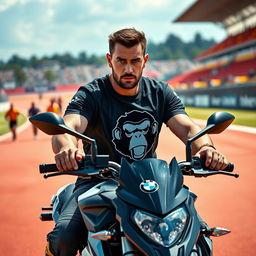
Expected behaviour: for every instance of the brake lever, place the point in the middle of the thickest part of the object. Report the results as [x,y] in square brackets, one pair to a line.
[80,173]
[205,173]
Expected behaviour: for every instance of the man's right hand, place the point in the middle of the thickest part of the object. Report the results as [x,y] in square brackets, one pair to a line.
[66,147]
[66,159]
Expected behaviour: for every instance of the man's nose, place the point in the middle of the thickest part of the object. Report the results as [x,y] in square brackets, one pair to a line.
[128,68]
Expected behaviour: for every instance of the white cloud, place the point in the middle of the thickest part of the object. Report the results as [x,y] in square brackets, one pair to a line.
[24,32]
[50,13]
[5,4]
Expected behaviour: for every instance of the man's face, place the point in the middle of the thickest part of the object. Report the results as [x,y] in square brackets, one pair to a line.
[127,65]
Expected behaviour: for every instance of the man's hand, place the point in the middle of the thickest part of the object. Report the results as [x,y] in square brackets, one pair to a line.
[214,159]
[66,147]
[67,158]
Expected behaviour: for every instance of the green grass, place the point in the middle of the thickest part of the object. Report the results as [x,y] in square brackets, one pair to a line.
[242,117]
[4,124]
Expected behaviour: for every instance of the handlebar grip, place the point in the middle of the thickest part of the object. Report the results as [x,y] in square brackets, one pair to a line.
[44,168]
[229,168]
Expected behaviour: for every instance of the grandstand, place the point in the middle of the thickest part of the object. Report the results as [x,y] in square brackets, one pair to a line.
[230,63]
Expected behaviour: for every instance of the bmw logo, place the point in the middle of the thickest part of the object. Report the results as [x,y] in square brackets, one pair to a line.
[149,186]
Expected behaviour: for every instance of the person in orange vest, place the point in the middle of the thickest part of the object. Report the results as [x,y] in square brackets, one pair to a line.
[12,116]
[53,107]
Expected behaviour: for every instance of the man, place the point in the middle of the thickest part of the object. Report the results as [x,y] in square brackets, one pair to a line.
[59,101]
[12,116]
[123,112]
[33,110]
[53,107]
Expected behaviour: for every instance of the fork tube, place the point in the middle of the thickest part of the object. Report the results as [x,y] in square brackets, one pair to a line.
[127,247]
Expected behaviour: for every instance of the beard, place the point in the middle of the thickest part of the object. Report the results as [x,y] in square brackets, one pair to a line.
[126,85]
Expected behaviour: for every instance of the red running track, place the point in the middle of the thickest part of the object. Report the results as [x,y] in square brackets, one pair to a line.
[222,200]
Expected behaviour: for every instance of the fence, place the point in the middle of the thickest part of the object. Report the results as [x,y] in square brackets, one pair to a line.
[233,97]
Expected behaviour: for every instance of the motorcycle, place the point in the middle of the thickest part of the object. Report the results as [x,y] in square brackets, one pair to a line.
[139,208]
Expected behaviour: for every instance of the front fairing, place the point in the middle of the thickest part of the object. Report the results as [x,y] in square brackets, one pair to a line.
[182,247]
[170,192]
[170,195]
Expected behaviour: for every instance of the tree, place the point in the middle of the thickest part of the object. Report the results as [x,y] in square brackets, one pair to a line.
[50,76]
[19,76]
[1,64]
[198,41]
[16,60]
[172,48]
[34,62]
[95,60]
[82,58]
[69,60]
[174,43]
[164,54]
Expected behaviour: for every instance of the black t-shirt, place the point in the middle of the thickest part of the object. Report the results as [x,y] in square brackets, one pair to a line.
[125,126]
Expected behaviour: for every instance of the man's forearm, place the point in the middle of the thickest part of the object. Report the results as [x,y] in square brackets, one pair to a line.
[200,143]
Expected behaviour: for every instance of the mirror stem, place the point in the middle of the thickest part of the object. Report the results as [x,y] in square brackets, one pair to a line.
[94,151]
[188,151]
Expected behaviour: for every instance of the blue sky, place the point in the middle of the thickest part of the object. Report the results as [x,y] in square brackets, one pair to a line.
[45,27]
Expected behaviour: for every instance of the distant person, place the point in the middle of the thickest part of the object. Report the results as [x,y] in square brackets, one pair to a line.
[12,116]
[33,110]
[60,104]
[251,74]
[3,95]
[40,95]
[53,107]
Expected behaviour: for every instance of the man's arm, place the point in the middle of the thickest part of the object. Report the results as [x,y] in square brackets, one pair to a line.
[184,128]
[65,146]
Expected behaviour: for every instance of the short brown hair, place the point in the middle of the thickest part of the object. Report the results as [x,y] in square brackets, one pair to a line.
[127,37]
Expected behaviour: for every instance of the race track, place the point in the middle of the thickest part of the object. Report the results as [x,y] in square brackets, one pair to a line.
[222,200]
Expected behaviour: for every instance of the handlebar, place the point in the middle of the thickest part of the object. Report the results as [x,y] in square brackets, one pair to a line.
[85,169]
[197,168]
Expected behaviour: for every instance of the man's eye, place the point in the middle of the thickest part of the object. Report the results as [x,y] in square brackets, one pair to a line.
[136,61]
[121,61]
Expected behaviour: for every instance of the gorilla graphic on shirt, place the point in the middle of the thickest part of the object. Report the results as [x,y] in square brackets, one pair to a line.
[135,134]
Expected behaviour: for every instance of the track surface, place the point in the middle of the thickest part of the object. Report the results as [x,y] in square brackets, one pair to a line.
[222,200]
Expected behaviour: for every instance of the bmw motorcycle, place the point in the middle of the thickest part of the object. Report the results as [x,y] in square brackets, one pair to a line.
[139,208]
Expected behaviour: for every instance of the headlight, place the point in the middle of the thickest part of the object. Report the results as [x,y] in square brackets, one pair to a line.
[163,231]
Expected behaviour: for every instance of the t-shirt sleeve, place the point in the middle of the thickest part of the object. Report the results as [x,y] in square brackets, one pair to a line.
[173,104]
[82,103]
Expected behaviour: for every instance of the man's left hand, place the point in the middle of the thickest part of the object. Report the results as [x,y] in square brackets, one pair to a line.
[214,159]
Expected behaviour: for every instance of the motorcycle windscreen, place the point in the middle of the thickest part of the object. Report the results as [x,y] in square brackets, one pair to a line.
[152,184]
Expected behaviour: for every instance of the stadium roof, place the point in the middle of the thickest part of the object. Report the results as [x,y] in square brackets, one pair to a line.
[213,10]
[235,16]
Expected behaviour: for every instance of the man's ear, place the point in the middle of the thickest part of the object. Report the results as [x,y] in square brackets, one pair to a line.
[108,57]
[145,59]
